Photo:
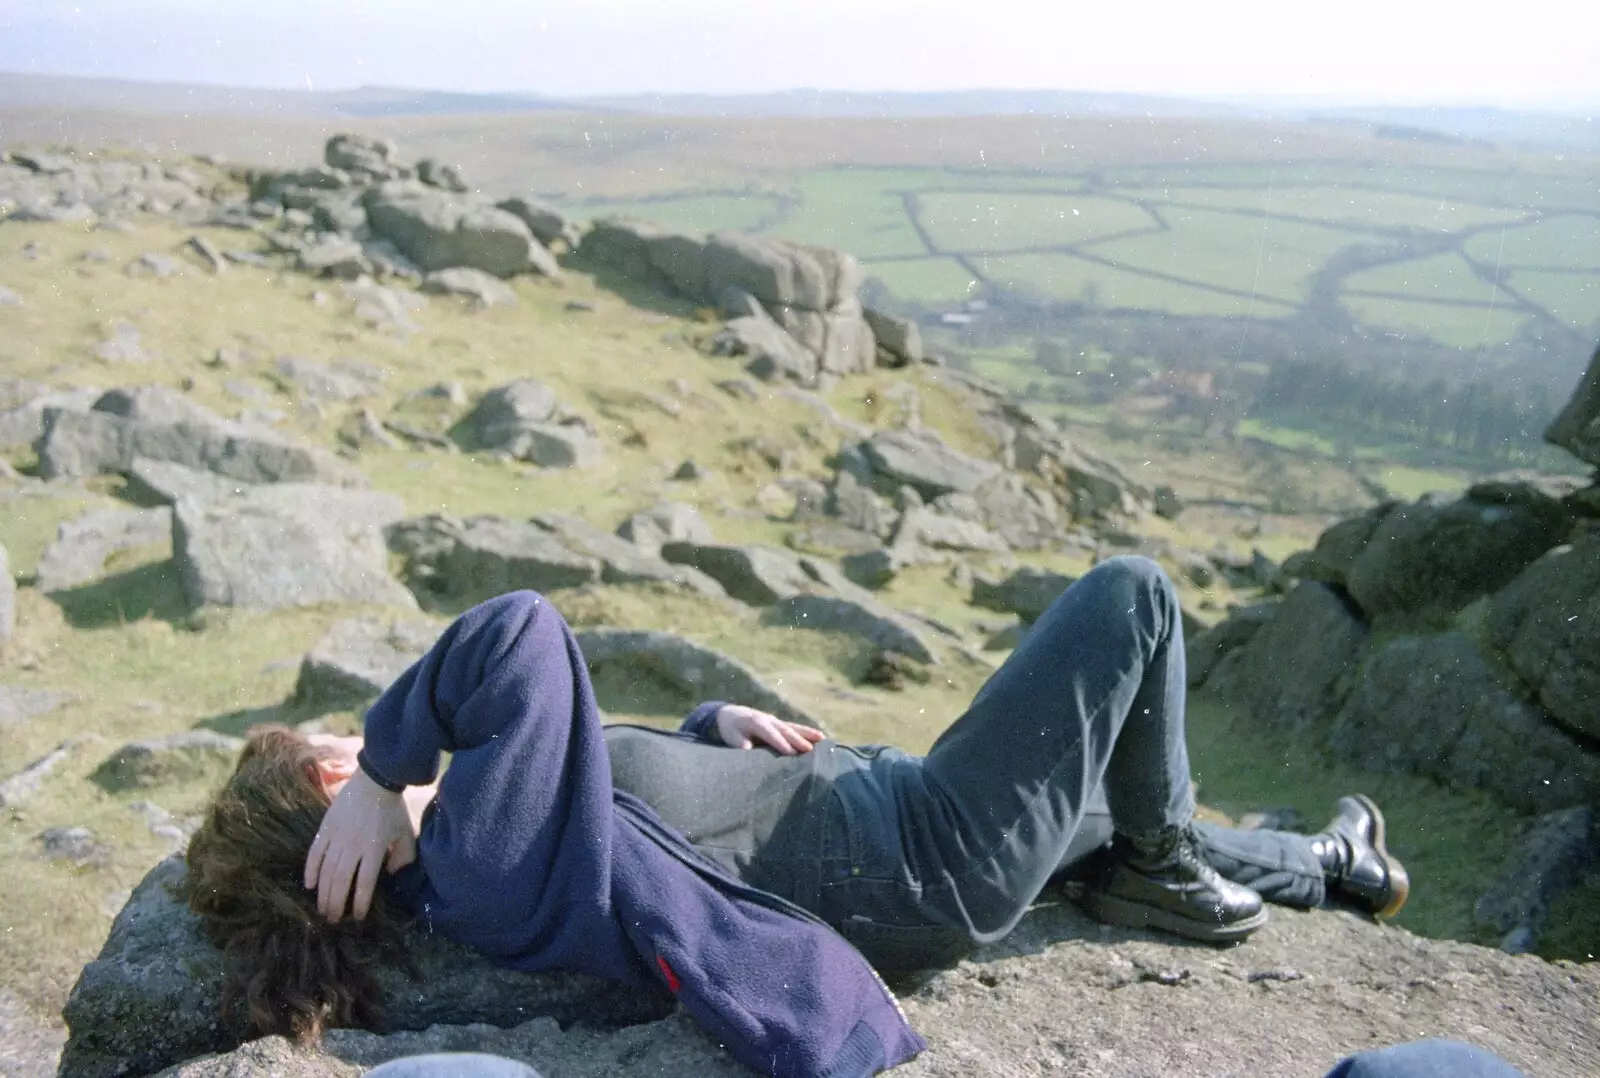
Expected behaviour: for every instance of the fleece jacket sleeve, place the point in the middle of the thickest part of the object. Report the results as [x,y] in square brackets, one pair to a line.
[702,722]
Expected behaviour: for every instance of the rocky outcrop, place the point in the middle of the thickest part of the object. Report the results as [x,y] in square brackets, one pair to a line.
[480,287]
[1204,650]
[899,339]
[622,562]
[1577,428]
[880,626]
[923,461]
[1551,855]
[287,545]
[1547,622]
[692,671]
[669,522]
[149,1001]
[22,419]
[437,229]
[547,223]
[485,556]
[82,545]
[360,658]
[758,575]
[180,757]
[1027,592]
[524,419]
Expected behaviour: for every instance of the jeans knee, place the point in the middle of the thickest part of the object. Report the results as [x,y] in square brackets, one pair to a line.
[1138,573]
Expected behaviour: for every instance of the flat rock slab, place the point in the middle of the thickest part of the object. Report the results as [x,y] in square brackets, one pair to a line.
[360,658]
[1027,592]
[1325,983]
[872,622]
[698,672]
[925,463]
[758,575]
[162,482]
[489,556]
[623,562]
[82,545]
[288,545]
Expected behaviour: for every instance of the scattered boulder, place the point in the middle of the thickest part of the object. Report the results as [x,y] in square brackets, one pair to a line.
[181,757]
[1205,650]
[1434,556]
[153,265]
[9,298]
[159,482]
[876,624]
[547,223]
[771,352]
[488,555]
[1166,503]
[758,575]
[899,339]
[669,522]
[152,404]
[1027,592]
[82,545]
[571,443]
[344,380]
[359,659]
[335,256]
[484,289]
[288,544]
[1432,704]
[692,670]
[856,505]
[922,460]
[150,999]
[122,345]
[1024,517]
[874,569]
[923,527]
[1552,854]
[1297,668]
[503,414]
[75,845]
[1547,622]
[623,562]
[438,230]
[439,174]
[207,252]
[367,158]
[1577,428]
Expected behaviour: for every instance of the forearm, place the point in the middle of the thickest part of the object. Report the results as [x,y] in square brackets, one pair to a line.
[702,722]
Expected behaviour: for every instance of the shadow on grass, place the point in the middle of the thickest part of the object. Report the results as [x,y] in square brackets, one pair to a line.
[634,287]
[148,591]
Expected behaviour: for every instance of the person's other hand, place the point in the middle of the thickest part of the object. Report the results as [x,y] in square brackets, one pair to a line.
[366,830]
[742,727]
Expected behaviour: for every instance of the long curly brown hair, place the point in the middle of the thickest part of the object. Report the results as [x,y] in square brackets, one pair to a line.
[286,970]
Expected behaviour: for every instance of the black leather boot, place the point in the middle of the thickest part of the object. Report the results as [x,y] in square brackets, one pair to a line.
[1359,868]
[1167,883]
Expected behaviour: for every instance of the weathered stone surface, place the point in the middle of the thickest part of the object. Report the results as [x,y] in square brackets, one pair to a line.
[1435,556]
[1432,704]
[558,445]
[30,1043]
[1551,855]
[623,562]
[437,230]
[360,658]
[669,522]
[1000,1011]
[547,223]
[1577,428]
[485,289]
[926,463]
[23,422]
[8,598]
[18,705]
[97,443]
[17,788]
[153,404]
[1337,548]
[858,506]
[1027,592]
[923,527]
[366,158]
[181,757]
[287,545]
[772,353]
[758,575]
[150,999]
[874,569]
[342,380]
[160,482]
[693,670]
[1547,621]
[872,622]
[900,337]
[503,414]
[1205,650]
[335,256]
[82,545]
[1024,517]
[1297,668]
[491,555]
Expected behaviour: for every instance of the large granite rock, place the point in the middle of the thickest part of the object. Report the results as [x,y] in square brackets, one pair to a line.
[151,997]
[758,575]
[925,463]
[668,522]
[545,221]
[523,418]
[360,658]
[899,339]
[1433,705]
[288,544]
[1204,650]
[1295,669]
[769,351]
[100,443]
[79,552]
[487,555]
[361,157]
[1435,555]
[692,670]
[1577,428]
[22,416]
[1552,855]
[875,623]
[1547,621]
[1027,592]
[1140,1004]
[623,562]
[182,757]
[436,230]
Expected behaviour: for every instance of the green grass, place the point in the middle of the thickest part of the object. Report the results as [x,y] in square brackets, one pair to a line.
[1412,483]
[1448,324]
[1063,276]
[1440,277]
[1560,242]
[859,210]
[1572,298]
[1273,259]
[1343,207]
[983,223]
[924,280]
[692,212]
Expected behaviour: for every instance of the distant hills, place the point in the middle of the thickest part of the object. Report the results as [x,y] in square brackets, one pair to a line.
[1552,130]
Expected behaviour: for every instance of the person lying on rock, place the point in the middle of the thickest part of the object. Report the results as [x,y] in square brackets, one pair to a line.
[739,880]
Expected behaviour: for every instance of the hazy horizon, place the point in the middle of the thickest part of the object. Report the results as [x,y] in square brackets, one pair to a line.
[1254,53]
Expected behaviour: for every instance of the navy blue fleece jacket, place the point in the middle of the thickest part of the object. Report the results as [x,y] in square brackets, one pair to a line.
[531,856]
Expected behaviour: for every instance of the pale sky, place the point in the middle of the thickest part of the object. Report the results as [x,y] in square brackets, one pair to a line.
[1533,52]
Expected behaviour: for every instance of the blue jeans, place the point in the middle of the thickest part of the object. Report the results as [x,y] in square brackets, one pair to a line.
[1080,731]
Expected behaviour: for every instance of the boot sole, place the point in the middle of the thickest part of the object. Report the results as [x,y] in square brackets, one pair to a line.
[1117,911]
[1399,880]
